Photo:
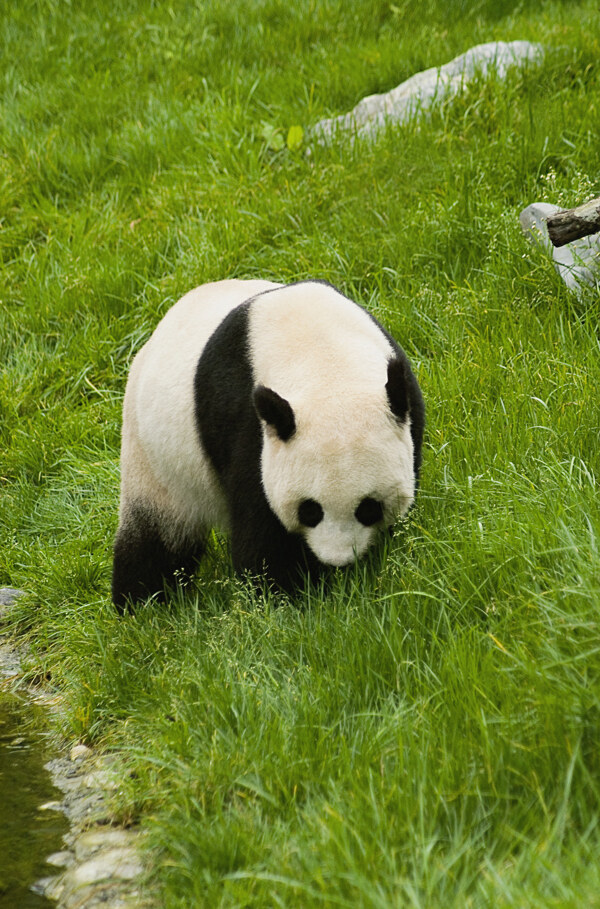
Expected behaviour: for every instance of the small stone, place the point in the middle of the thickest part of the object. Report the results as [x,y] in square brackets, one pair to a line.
[79,752]
[10,663]
[121,863]
[51,806]
[8,595]
[60,859]
[90,842]
[52,887]
[83,897]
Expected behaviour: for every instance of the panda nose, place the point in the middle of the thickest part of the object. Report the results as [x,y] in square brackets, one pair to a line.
[335,543]
[339,561]
[339,556]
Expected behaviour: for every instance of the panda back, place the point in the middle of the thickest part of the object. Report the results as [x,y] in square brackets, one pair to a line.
[161,448]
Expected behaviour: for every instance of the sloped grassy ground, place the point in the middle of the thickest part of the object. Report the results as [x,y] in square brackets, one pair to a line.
[426,733]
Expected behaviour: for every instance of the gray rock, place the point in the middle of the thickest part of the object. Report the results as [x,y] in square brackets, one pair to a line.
[61,859]
[8,595]
[424,89]
[578,263]
[119,863]
[90,842]
[10,662]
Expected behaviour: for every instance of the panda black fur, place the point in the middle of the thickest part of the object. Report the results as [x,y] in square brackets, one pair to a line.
[284,415]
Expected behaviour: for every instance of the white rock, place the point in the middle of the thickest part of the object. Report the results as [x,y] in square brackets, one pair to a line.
[92,841]
[79,752]
[60,859]
[120,863]
[578,263]
[52,887]
[422,90]
[51,806]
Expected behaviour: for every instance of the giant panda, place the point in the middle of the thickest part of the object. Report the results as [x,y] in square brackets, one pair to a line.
[282,414]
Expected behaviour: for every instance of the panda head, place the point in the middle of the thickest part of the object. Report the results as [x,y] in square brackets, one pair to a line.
[334,471]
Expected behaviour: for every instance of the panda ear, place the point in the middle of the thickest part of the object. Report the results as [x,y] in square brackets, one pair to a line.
[275,411]
[396,388]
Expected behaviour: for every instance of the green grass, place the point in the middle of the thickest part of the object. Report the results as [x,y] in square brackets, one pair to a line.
[424,734]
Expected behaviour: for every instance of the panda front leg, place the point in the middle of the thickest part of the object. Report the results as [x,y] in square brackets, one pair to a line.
[143,563]
[261,546]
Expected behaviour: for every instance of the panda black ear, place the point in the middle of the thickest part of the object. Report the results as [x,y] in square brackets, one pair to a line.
[396,388]
[275,411]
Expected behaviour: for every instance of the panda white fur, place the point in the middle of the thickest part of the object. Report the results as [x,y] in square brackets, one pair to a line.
[284,415]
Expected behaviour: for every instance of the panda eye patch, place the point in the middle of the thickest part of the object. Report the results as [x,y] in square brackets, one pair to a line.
[310,513]
[369,512]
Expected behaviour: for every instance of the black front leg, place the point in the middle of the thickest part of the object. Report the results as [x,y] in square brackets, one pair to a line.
[260,545]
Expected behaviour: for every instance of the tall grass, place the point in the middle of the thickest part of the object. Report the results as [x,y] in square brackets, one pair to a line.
[426,732]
